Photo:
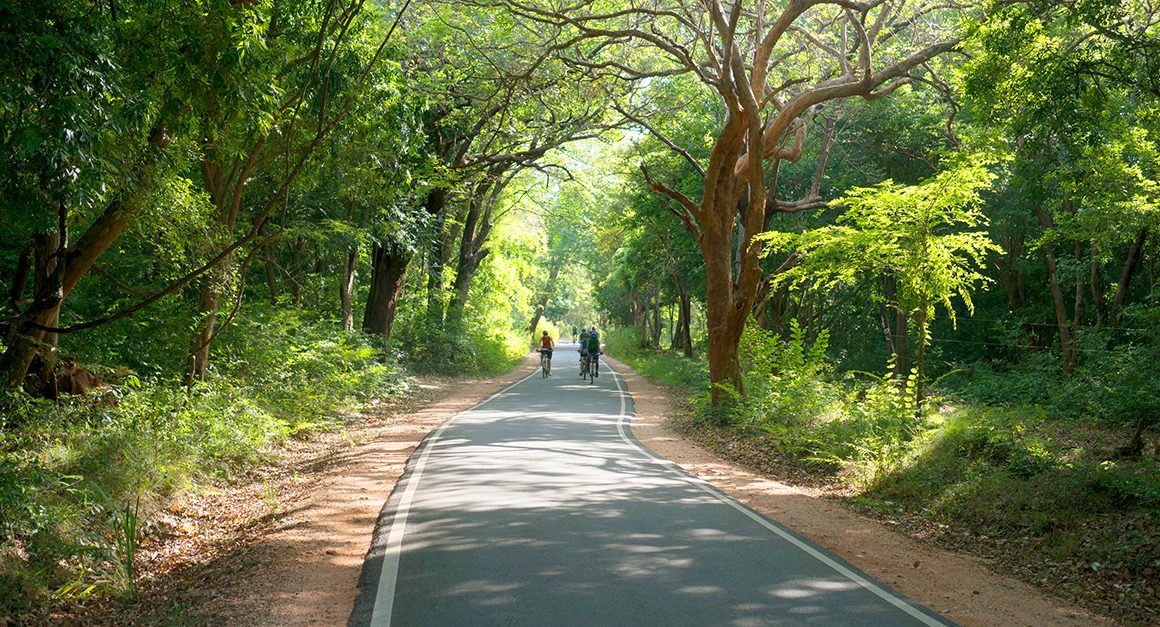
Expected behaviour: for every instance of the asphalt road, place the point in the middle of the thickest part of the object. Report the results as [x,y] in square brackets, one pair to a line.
[537,507]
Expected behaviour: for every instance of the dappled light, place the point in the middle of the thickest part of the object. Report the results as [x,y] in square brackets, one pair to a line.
[605,530]
[902,252]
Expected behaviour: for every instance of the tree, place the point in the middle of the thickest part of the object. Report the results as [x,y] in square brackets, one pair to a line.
[87,129]
[1073,104]
[503,102]
[915,234]
[291,93]
[770,67]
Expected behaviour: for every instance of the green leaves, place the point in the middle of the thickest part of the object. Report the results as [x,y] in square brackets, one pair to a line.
[918,233]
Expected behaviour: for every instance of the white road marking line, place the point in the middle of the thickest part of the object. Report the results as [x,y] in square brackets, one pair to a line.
[673,467]
[389,575]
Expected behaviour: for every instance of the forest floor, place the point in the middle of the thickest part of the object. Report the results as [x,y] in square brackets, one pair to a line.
[286,546]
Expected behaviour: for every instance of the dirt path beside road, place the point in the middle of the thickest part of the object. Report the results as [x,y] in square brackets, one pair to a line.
[959,587]
[301,565]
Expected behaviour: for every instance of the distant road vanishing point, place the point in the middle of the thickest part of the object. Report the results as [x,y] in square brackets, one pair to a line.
[538,507]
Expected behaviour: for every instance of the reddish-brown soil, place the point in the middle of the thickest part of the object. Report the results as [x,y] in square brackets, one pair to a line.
[288,551]
[959,587]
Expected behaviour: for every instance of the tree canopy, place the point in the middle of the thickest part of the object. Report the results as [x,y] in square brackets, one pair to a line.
[229,199]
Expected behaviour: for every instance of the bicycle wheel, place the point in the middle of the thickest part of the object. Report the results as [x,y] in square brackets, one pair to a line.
[595,367]
[543,366]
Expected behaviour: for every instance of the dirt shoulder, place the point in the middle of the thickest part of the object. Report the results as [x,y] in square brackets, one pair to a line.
[287,548]
[310,564]
[959,587]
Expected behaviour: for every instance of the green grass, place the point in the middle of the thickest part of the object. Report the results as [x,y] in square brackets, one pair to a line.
[1015,482]
[68,469]
[664,367]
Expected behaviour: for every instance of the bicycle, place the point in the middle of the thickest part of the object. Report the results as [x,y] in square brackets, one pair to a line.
[583,365]
[594,368]
[545,364]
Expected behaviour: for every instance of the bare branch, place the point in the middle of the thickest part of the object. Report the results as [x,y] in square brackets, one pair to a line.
[662,137]
[687,210]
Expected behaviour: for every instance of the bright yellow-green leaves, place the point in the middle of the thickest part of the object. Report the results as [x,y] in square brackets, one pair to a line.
[924,235]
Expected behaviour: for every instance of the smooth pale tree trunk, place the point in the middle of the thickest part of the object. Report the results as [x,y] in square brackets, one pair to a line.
[346,289]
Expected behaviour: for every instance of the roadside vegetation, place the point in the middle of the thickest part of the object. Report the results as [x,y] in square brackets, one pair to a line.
[1043,493]
[906,248]
[82,478]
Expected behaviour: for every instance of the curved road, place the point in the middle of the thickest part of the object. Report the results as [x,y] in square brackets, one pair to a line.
[537,507]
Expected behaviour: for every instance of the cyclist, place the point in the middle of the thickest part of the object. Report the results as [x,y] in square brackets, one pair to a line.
[593,348]
[546,346]
[583,351]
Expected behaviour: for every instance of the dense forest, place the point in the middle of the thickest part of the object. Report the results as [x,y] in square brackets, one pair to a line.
[907,248]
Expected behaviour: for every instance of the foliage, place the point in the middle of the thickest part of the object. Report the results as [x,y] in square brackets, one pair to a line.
[662,366]
[68,472]
[503,161]
[786,380]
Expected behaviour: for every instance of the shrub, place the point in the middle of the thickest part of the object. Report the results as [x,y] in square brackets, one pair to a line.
[70,469]
[786,381]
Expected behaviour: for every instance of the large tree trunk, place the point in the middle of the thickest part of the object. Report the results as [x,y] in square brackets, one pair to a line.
[725,326]
[25,342]
[388,269]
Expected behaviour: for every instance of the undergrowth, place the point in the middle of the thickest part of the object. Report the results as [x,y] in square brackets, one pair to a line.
[78,476]
[1029,485]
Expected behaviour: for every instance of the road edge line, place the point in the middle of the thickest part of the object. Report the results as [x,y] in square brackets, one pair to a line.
[675,468]
[389,571]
